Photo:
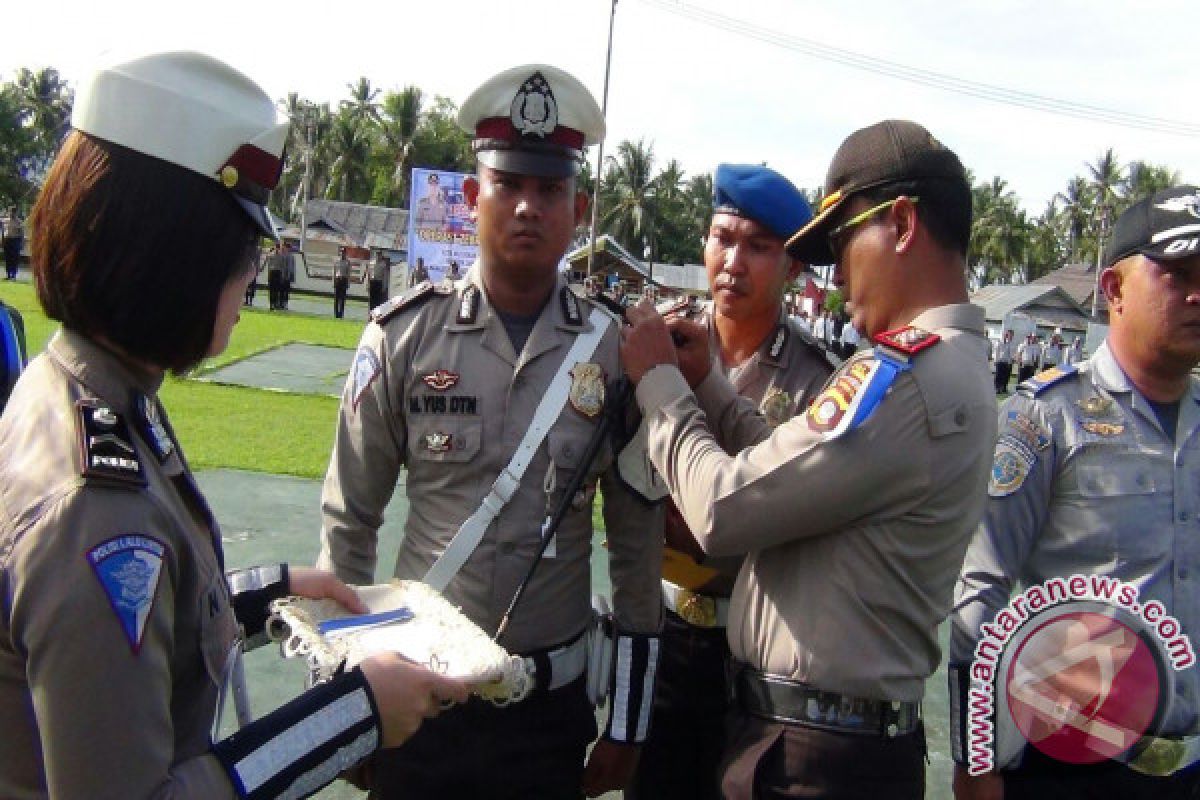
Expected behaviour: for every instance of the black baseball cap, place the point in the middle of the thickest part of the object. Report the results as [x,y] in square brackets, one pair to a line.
[1164,227]
[891,151]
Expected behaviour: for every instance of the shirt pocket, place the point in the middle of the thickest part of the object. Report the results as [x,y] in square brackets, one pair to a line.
[218,628]
[1123,494]
[446,440]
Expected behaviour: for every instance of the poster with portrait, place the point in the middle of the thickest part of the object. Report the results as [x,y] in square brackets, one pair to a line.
[440,228]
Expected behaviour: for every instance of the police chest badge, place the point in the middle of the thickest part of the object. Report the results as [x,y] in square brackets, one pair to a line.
[587,389]
[776,406]
[533,109]
[128,568]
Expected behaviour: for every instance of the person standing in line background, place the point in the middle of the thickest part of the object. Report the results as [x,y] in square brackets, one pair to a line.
[418,274]
[13,239]
[1002,357]
[1029,355]
[341,283]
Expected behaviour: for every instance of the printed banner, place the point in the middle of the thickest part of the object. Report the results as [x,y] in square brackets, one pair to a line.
[440,228]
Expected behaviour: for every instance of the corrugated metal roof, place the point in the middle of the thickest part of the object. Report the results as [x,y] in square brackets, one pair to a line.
[359,221]
[1040,301]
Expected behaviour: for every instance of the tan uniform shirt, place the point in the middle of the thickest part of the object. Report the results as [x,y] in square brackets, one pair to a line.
[442,393]
[855,541]
[780,379]
[94,703]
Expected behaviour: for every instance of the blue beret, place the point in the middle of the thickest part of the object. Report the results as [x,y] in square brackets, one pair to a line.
[761,194]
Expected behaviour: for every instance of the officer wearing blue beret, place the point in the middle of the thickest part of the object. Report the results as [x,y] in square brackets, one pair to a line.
[779,367]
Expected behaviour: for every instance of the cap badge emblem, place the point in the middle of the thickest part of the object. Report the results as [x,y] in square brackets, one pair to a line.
[533,109]
[1177,205]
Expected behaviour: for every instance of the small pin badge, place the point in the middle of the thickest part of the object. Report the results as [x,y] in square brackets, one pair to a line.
[1095,406]
[440,380]
[438,442]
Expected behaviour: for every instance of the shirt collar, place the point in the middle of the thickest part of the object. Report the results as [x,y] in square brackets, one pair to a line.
[102,371]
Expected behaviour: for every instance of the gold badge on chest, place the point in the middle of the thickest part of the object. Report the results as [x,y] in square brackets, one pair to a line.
[776,406]
[587,389]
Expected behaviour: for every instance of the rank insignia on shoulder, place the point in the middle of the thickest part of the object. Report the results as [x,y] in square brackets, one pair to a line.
[107,450]
[419,293]
[1047,378]
[468,306]
[440,380]
[587,388]
[128,568]
[362,373]
[570,306]
[908,340]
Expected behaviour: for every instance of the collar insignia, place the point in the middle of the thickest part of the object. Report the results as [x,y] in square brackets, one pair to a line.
[533,109]
[440,380]
[468,307]
[152,426]
[781,337]
[587,389]
[570,306]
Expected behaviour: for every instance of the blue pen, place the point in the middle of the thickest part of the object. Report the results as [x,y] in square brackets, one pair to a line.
[344,624]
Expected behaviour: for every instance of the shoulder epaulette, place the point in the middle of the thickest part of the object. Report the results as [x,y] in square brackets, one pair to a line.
[106,447]
[904,343]
[1047,378]
[414,296]
[569,302]
[608,306]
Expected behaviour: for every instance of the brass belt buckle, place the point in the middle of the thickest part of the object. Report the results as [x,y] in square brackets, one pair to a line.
[697,609]
[1161,758]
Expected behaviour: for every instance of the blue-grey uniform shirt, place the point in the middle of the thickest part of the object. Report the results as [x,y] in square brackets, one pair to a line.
[1086,481]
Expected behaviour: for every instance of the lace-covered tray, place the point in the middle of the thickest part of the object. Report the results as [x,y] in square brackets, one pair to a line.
[407,617]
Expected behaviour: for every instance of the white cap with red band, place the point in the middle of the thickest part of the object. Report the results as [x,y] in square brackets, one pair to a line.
[194,111]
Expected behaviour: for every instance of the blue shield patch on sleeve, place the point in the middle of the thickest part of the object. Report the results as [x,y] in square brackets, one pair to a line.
[128,568]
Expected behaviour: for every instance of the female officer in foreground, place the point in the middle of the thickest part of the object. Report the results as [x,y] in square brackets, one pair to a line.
[116,618]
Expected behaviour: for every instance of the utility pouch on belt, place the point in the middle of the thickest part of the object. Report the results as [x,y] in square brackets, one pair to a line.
[600,635]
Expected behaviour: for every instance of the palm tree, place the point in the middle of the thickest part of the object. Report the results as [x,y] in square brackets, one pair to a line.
[1106,178]
[46,104]
[361,107]
[399,120]
[1143,179]
[627,193]
[350,143]
[1077,211]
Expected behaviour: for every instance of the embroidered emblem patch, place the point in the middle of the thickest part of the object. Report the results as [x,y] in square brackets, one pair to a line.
[438,442]
[1011,465]
[1026,430]
[440,380]
[534,110]
[128,568]
[849,398]
[366,367]
[776,406]
[587,389]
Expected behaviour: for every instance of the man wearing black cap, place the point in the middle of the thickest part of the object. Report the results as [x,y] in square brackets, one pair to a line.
[862,507]
[779,368]
[489,391]
[1095,474]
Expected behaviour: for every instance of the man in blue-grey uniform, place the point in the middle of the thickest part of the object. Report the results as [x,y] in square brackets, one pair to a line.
[1095,474]
[780,368]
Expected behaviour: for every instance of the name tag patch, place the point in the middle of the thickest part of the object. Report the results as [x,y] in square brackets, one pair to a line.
[128,568]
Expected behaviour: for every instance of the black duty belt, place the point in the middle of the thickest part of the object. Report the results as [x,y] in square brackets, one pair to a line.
[795,703]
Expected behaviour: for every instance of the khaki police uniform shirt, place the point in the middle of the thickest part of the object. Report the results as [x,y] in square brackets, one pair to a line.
[443,393]
[85,713]
[853,543]
[780,379]
[1085,481]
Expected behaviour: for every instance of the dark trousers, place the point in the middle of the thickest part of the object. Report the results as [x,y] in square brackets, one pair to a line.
[768,759]
[1025,372]
[285,292]
[1040,776]
[340,286]
[12,257]
[531,749]
[375,293]
[687,730]
[1003,373]
[250,290]
[275,289]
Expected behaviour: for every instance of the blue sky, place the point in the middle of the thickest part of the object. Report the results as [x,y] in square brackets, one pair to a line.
[704,93]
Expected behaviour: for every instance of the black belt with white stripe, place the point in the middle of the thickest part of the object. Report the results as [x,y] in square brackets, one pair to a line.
[794,703]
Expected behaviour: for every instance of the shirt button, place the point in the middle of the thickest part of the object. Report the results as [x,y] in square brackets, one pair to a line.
[1183,516]
[1183,573]
[568,451]
[507,548]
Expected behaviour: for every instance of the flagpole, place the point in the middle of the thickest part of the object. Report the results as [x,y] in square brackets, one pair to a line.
[612,17]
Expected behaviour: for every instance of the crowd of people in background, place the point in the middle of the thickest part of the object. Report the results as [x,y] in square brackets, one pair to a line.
[1031,356]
